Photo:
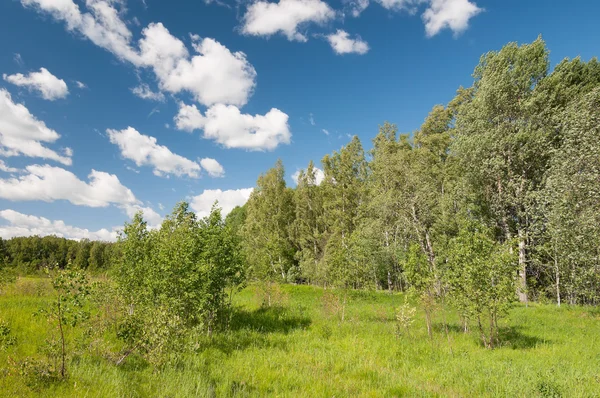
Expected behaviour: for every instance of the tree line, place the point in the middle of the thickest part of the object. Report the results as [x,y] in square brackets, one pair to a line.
[28,255]
[502,182]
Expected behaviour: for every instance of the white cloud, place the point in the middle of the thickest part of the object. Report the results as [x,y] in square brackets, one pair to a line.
[145,92]
[228,200]
[341,43]
[22,134]
[213,167]
[80,85]
[20,224]
[319,176]
[49,86]
[145,151]
[452,14]
[311,119]
[409,6]
[357,7]
[7,169]
[325,131]
[49,184]
[266,19]
[232,129]
[214,75]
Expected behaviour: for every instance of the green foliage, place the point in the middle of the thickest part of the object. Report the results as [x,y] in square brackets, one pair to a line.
[299,350]
[30,255]
[268,227]
[174,280]
[68,309]
[480,277]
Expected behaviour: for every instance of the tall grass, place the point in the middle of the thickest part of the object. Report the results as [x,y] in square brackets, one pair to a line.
[303,348]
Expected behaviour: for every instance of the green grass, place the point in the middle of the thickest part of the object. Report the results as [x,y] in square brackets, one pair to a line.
[301,349]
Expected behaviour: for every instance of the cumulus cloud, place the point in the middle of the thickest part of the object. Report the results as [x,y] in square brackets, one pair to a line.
[20,224]
[451,14]
[319,176]
[22,134]
[410,6]
[439,14]
[213,75]
[226,125]
[227,200]
[48,183]
[145,92]
[145,151]
[212,167]
[7,169]
[342,43]
[45,83]
[287,16]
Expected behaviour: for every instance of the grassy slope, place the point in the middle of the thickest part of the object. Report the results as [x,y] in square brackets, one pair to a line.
[301,350]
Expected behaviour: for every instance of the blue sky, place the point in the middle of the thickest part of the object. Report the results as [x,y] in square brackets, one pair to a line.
[112,106]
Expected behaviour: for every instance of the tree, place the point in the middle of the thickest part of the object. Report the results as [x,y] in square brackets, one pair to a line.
[270,214]
[174,280]
[481,277]
[308,226]
[344,191]
[573,194]
[495,131]
[68,308]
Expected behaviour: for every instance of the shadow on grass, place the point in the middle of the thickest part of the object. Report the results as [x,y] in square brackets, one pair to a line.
[261,328]
[513,337]
[509,336]
[267,320]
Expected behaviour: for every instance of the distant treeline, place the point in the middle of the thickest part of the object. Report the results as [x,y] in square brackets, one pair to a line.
[27,255]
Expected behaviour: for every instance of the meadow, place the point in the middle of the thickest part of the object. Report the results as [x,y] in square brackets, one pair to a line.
[301,347]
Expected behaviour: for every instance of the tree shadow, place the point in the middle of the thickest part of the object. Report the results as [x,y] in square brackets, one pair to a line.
[508,336]
[261,328]
[513,337]
[452,328]
[267,320]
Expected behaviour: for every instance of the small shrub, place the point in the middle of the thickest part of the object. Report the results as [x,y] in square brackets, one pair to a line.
[6,337]
[325,331]
[38,373]
[270,294]
[334,304]
[548,389]
[405,317]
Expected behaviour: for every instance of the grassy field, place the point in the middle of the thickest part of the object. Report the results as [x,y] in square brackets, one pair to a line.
[302,348]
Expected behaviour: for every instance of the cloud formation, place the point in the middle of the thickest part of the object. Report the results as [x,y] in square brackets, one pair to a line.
[48,183]
[451,14]
[43,82]
[21,133]
[341,43]
[20,224]
[212,75]
[264,18]
[212,167]
[226,125]
[145,151]
[144,91]
[228,200]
